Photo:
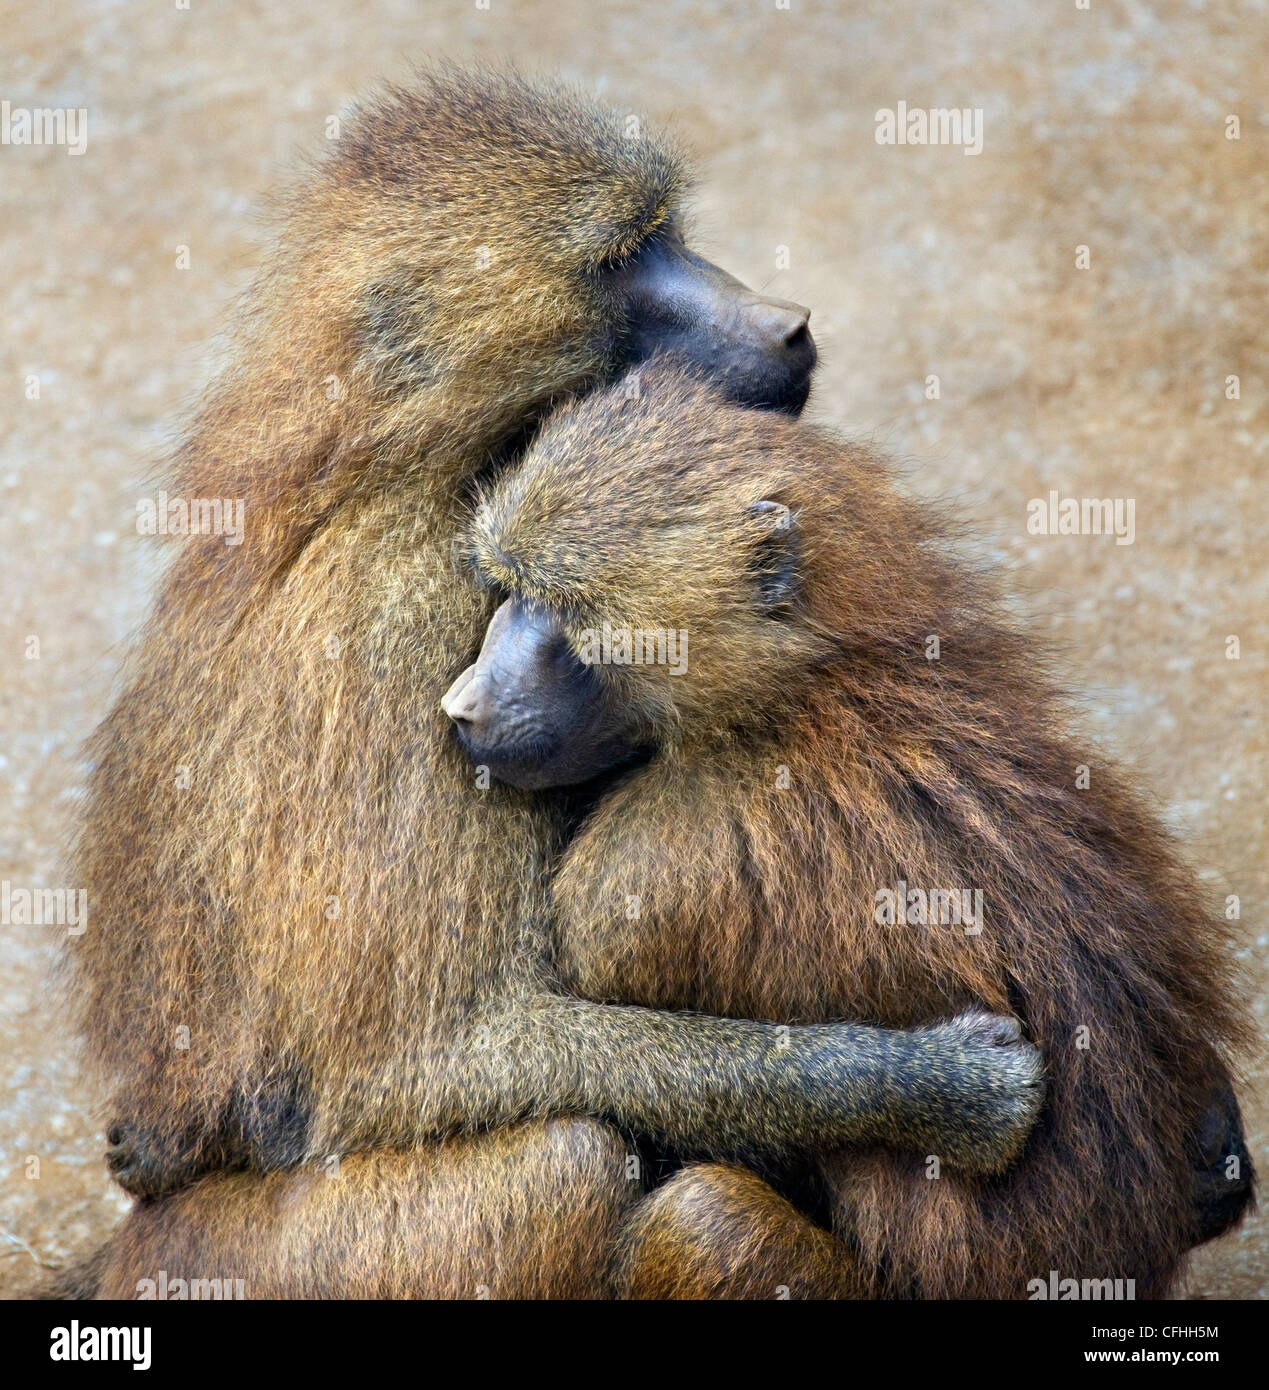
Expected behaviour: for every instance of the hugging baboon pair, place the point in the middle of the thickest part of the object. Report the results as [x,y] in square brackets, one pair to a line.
[318,937]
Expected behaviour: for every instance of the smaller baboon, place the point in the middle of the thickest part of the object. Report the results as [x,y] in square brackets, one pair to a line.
[824,821]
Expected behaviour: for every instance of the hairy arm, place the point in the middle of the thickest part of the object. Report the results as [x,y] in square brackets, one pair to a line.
[968,1090]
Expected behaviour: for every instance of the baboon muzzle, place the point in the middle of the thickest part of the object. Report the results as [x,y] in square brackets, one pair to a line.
[757,349]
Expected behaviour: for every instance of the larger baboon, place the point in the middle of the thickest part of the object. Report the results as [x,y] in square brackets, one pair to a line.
[310,937]
[746,607]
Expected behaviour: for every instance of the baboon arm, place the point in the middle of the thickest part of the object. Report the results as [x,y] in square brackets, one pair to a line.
[968,1090]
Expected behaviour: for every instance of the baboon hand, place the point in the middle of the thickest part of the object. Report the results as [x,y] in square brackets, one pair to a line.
[142,1164]
[988,1085]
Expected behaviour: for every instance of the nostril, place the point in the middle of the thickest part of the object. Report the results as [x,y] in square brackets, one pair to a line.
[781,324]
[459,711]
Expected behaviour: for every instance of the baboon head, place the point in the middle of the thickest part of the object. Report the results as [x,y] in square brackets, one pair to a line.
[674,568]
[491,243]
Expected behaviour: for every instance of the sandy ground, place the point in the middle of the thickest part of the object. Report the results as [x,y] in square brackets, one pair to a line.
[1103,128]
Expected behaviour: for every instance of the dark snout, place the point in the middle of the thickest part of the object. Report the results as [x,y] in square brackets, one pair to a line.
[529,710]
[492,736]
[759,350]
[499,705]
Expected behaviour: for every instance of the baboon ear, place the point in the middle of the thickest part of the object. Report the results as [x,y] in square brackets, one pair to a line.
[775,558]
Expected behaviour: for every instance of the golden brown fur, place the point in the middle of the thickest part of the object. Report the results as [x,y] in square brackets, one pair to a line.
[813,756]
[714,1231]
[530,1211]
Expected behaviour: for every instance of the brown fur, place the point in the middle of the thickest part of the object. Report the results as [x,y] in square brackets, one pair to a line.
[758,901]
[714,1231]
[531,1211]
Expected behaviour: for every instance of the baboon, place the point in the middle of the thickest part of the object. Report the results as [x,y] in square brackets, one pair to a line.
[311,937]
[808,780]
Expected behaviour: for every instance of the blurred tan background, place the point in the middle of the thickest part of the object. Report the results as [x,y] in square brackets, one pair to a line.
[1103,127]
